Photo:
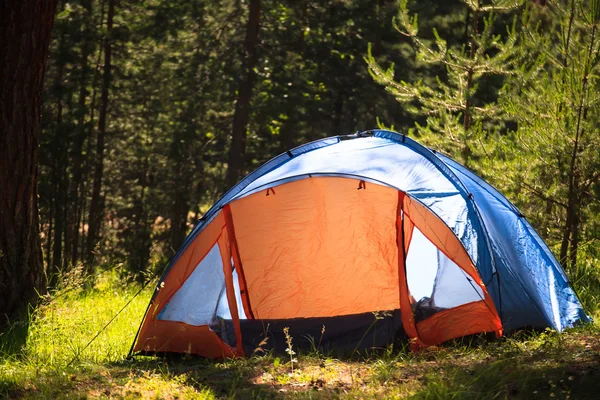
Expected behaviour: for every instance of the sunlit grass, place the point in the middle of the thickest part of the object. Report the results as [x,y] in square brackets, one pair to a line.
[36,355]
[34,361]
[60,329]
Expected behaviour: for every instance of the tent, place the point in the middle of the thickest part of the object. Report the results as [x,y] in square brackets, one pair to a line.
[353,241]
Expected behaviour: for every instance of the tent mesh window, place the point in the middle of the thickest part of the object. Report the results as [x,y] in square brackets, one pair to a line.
[221,322]
[435,282]
[195,302]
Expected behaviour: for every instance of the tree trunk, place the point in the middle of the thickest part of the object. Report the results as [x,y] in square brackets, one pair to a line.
[338,108]
[141,242]
[242,105]
[185,136]
[566,239]
[88,159]
[467,117]
[96,205]
[58,176]
[574,245]
[48,236]
[76,184]
[179,218]
[181,188]
[25,27]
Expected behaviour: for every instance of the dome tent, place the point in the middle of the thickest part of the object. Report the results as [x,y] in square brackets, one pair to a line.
[346,232]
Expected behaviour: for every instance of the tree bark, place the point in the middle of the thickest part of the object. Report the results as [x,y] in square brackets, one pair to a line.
[88,160]
[76,184]
[566,239]
[570,241]
[25,27]
[241,115]
[58,175]
[48,237]
[574,245]
[181,189]
[96,205]
[467,116]
[338,108]
[186,135]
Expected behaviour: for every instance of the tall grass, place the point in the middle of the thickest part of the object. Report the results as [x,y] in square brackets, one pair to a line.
[35,354]
[585,278]
[58,331]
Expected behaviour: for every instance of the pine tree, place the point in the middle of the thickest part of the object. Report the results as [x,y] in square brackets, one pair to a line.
[556,158]
[458,115]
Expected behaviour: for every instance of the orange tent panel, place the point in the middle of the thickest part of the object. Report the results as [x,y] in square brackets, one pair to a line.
[468,319]
[160,335]
[178,337]
[317,247]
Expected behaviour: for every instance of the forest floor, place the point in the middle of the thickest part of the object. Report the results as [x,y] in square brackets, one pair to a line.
[47,359]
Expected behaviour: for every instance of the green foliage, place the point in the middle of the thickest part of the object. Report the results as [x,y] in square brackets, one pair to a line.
[511,91]
[175,69]
[58,330]
[459,117]
[513,96]
[553,154]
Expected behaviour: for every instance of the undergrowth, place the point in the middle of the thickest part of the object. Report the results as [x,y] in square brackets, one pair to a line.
[46,358]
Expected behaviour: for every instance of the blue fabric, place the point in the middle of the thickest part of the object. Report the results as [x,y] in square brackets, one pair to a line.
[398,162]
[524,280]
[534,289]
[231,193]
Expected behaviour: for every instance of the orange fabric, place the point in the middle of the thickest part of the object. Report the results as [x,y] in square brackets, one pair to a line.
[467,319]
[237,262]
[434,229]
[408,320]
[319,247]
[233,309]
[178,337]
[178,274]
[408,232]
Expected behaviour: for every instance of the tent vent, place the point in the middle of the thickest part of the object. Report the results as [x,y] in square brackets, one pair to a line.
[356,135]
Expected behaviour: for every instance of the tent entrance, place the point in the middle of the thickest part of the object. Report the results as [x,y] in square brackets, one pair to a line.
[339,335]
[440,285]
[435,283]
[330,246]
[318,247]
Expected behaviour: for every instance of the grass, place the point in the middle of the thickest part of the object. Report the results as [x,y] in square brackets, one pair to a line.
[35,357]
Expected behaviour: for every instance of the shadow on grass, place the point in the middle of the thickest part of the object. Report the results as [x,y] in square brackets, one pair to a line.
[527,366]
[146,378]
[244,378]
[13,339]
[542,373]
[223,379]
[554,369]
